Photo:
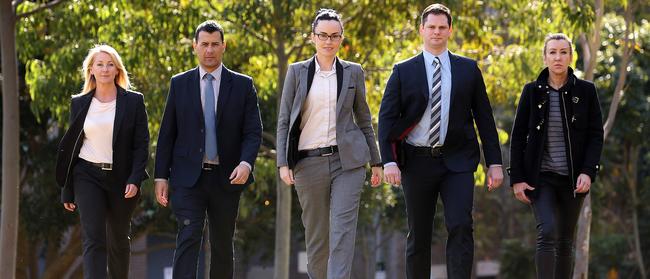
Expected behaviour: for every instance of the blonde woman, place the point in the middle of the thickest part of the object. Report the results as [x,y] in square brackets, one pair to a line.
[101,162]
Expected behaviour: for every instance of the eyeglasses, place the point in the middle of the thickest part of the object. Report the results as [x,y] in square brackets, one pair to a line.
[324,36]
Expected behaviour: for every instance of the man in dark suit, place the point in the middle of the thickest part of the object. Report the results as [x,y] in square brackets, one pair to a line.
[209,138]
[428,143]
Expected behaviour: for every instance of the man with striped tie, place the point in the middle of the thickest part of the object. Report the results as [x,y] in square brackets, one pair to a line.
[428,143]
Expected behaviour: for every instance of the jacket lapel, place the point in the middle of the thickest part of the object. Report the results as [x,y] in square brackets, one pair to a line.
[194,90]
[455,79]
[302,88]
[120,108]
[224,91]
[343,84]
[420,65]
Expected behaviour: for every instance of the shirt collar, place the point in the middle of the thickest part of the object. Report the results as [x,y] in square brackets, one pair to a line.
[428,57]
[216,73]
[318,66]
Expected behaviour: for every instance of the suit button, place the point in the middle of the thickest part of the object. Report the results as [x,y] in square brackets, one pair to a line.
[201,131]
[200,149]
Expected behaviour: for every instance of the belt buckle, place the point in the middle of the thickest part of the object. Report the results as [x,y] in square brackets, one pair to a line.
[206,166]
[329,153]
[436,150]
[107,167]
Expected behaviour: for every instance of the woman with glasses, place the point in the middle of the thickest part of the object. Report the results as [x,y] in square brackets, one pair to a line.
[101,162]
[325,139]
[557,139]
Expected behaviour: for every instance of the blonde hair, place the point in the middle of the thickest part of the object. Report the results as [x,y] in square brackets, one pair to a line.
[558,37]
[122,77]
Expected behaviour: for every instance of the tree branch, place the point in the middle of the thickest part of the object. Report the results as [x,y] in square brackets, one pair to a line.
[44,6]
[622,69]
[244,28]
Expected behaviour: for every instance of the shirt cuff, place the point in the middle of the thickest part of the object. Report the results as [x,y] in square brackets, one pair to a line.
[495,165]
[160,179]
[250,168]
[389,164]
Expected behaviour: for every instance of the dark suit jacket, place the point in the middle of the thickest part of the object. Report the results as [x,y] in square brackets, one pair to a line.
[355,136]
[181,142]
[130,142]
[405,101]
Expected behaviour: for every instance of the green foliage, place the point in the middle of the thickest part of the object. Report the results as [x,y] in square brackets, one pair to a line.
[506,37]
[517,261]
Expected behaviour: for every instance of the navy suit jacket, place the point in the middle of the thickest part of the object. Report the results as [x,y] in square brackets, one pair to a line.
[181,140]
[405,101]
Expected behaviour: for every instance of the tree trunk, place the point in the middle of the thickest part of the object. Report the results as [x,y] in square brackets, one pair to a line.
[631,176]
[283,191]
[10,140]
[590,49]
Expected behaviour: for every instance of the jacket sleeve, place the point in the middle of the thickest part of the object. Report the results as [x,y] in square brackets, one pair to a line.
[67,193]
[284,116]
[484,119]
[595,134]
[364,117]
[518,138]
[389,113]
[140,144]
[166,135]
[252,129]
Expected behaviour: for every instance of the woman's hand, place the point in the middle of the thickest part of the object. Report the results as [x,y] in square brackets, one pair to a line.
[130,191]
[377,173]
[519,189]
[286,175]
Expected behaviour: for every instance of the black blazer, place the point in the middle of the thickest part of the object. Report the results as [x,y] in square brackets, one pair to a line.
[405,101]
[130,142]
[583,129]
[180,150]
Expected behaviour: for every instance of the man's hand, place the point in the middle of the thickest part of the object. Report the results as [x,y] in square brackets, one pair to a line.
[375,180]
[494,177]
[240,174]
[393,175]
[519,189]
[162,190]
[69,206]
[583,184]
[286,175]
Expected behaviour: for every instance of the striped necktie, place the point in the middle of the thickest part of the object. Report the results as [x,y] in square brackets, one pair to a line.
[434,130]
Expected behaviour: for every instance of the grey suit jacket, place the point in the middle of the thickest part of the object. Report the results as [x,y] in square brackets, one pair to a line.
[355,136]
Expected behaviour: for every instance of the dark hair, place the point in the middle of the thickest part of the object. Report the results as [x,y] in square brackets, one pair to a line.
[326,14]
[559,37]
[436,9]
[209,26]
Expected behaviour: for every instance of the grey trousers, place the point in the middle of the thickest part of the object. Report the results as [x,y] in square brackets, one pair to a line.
[329,197]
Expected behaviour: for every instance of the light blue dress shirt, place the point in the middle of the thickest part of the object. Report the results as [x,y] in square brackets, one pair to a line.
[419,136]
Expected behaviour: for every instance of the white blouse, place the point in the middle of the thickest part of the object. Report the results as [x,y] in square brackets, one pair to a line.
[98,132]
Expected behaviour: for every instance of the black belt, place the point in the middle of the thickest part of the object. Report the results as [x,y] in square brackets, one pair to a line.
[103,166]
[425,151]
[323,151]
[208,166]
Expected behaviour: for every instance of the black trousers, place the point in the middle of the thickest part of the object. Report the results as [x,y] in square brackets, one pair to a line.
[556,212]
[105,222]
[190,206]
[424,178]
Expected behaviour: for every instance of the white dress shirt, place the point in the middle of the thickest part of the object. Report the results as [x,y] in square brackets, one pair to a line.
[318,123]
